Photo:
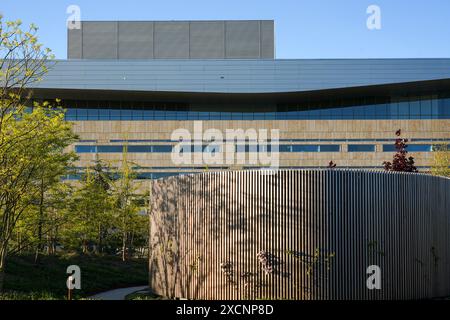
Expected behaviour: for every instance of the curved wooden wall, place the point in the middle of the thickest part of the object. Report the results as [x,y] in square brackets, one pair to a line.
[300,234]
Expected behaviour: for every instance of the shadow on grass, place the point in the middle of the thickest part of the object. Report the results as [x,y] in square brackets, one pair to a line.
[47,280]
[147,295]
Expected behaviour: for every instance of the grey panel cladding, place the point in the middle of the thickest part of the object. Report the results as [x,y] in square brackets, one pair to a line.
[207,39]
[172,40]
[239,76]
[100,40]
[243,39]
[267,40]
[135,40]
[74,43]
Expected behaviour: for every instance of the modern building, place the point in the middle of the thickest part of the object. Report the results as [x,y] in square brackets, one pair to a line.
[133,83]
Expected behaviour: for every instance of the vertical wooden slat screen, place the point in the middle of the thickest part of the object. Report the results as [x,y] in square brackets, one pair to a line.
[317,230]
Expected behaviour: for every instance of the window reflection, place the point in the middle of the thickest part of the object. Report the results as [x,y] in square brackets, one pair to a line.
[396,108]
[206,148]
[361,148]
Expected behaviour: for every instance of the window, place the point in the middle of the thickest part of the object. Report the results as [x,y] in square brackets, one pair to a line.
[92,114]
[410,148]
[444,108]
[419,148]
[250,148]
[71,115]
[401,107]
[82,114]
[393,110]
[305,148]
[329,148]
[115,114]
[71,177]
[348,113]
[309,148]
[211,149]
[425,109]
[104,114]
[162,148]
[361,148]
[157,175]
[438,147]
[126,114]
[144,175]
[120,149]
[139,149]
[361,112]
[414,109]
[147,115]
[85,149]
[403,110]
[109,149]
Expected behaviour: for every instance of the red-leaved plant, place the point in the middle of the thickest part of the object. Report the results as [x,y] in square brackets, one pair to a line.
[331,165]
[400,161]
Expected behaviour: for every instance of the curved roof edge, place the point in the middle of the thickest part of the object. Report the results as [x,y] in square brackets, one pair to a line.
[240,76]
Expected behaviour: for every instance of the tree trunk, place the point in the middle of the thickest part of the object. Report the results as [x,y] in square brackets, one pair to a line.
[3,253]
[130,247]
[19,243]
[84,245]
[99,240]
[36,255]
[150,249]
[48,244]
[40,222]
[124,246]
[2,278]
[54,239]
[51,235]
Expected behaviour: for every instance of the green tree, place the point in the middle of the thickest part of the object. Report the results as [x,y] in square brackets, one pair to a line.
[31,143]
[441,160]
[41,223]
[91,210]
[130,223]
[33,136]
[52,193]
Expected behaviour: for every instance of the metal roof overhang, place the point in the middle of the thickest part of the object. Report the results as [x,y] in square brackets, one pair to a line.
[373,91]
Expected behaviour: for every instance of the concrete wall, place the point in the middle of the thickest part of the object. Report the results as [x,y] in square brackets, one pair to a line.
[319,231]
[104,131]
[172,40]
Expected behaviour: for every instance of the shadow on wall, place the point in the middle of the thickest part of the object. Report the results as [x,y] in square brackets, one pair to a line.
[300,234]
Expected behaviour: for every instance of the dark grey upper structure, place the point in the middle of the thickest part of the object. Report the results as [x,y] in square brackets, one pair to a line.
[243,39]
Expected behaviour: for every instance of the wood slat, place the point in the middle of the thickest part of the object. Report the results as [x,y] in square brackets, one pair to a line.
[320,230]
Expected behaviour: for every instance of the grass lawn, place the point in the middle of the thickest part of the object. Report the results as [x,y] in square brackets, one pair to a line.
[47,280]
[144,296]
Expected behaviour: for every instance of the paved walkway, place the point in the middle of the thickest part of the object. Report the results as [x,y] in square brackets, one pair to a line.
[117,294]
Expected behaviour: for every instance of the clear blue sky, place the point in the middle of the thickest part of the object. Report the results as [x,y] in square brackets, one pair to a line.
[303,28]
